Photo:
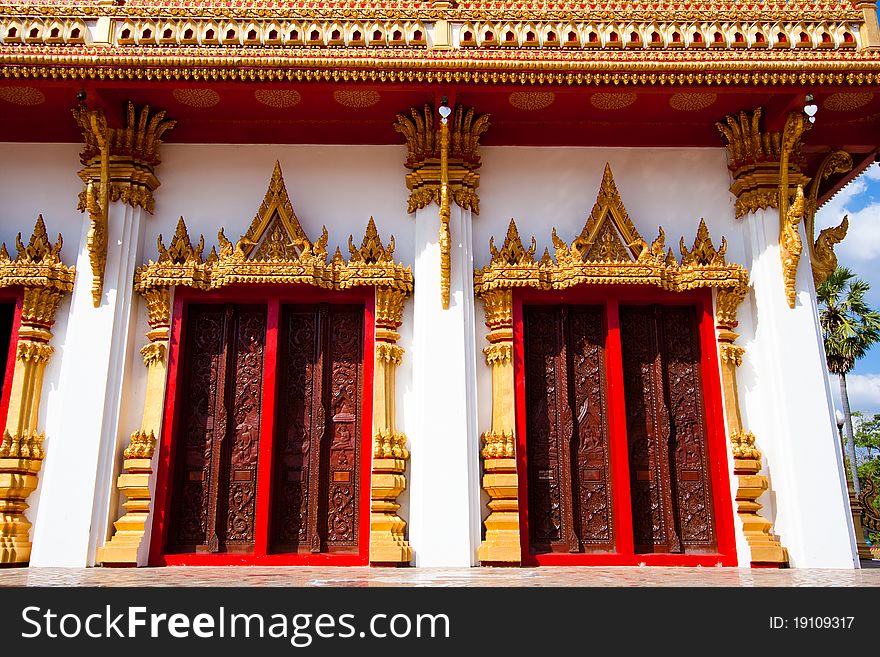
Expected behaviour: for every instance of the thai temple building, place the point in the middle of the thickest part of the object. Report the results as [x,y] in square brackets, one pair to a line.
[436,284]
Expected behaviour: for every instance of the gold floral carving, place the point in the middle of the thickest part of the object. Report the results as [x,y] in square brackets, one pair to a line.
[609,250]
[754,158]
[198,98]
[141,446]
[134,150]
[691,101]
[791,246]
[423,145]
[37,268]
[465,10]
[25,96]
[356,98]
[278,98]
[612,101]
[822,257]
[391,65]
[847,102]
[531,100]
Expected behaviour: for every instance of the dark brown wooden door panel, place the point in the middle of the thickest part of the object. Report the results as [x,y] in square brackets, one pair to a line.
[214,496]
[317,433]
[666,430]
[569,482]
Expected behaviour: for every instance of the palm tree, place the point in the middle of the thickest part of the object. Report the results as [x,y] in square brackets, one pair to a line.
[850,327]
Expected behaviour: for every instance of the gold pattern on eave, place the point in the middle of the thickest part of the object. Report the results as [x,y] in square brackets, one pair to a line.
[610,251]
[274,249]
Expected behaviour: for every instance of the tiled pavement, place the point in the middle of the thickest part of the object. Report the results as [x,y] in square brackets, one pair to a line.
[547,576]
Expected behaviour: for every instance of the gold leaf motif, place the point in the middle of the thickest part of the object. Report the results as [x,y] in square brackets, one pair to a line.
[692,101]
[278,98]
[512,250]
[198,98]
[847,101]
[372,250]
[612,101]
[181,250]
[791,246]
[356,98]
[531,100]
[703,252]
[24,96]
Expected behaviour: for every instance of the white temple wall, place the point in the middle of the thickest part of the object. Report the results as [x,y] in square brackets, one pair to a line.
[342,186]
[41,179]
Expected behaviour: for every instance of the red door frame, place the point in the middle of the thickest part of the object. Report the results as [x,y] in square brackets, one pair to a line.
[16,297]
[274,296]
[716,438]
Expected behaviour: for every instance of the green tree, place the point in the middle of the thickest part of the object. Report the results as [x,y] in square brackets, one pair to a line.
[867,437]
[850,327]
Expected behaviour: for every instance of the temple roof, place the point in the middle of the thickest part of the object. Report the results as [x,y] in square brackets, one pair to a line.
[548,73]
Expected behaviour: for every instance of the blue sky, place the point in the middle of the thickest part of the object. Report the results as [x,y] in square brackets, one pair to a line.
[860,251]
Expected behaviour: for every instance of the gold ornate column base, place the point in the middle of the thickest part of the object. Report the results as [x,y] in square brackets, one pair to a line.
[122,550]
[501,545]
[18,479]
[388,544]
[855,506]
[765,548]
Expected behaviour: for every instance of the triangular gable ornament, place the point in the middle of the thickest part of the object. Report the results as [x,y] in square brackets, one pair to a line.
[609,234]
[275,233]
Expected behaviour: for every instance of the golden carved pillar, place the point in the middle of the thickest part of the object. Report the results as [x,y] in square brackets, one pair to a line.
[502,541]
[388,544]
[767,171]
[134,483]
[765,547]
[45,279]
[119,165]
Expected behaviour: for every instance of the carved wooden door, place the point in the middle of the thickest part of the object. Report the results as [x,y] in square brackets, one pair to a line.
[217,442]
[317,434]
[569,478]
[666,429]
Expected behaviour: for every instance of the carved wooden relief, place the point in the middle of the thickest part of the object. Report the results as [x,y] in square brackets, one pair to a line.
[293,436]
[666,429]
[569,487]
[317,471]
[213,502]
[686,410]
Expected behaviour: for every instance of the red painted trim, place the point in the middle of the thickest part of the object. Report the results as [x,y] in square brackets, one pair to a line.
[10,359]
[274,297]
[716,436]
[366,455]
[519,386]
[620,487]
[226,559]
[159,535]
[267,432]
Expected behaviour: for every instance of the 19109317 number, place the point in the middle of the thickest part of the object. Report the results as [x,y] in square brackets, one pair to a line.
[823,622]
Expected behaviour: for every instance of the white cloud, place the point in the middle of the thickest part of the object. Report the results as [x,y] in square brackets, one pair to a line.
[832,212]
[863,391]
[872,172]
